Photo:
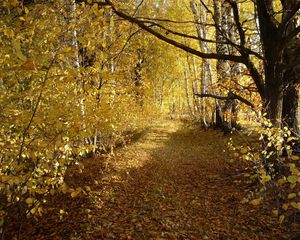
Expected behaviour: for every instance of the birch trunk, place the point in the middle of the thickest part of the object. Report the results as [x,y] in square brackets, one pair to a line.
[188,99]
[200,18]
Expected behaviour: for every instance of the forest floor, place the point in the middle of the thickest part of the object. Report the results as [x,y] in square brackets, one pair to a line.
[174,182]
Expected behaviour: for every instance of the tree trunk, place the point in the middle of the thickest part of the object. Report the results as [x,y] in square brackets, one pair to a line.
[179,98]
[223,67]
[187,92]
[290,109]
[200,18]
[138,78]
[271,40]
[273,96]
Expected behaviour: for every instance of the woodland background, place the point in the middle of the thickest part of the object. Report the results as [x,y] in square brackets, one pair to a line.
[79,78]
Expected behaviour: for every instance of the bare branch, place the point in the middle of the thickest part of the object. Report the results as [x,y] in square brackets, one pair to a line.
[179,45]
[126,43]
[171,21]
[231,96]
[237,21]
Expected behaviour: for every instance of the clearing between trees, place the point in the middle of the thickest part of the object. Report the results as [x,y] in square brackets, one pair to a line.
[174,182]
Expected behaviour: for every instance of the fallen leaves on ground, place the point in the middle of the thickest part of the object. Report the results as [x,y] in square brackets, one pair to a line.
[174,183]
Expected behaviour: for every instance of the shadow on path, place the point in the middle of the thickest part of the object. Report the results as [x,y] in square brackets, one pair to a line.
[175,183]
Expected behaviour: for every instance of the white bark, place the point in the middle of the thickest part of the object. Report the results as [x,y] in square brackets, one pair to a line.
[187,90]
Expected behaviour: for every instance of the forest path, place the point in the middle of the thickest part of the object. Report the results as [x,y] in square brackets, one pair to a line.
[174,182]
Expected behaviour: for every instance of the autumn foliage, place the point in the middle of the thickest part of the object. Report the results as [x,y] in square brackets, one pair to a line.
[80,78]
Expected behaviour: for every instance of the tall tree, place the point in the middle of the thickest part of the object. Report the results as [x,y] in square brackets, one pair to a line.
[272,35]
[200,17]
[291,59]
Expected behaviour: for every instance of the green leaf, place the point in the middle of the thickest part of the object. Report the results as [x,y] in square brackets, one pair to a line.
[295,205]
[292,195]
[255,202]
[17,47]
[292,179]
[281,218]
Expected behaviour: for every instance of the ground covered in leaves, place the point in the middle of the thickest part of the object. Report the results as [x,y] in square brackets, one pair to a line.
[175,182]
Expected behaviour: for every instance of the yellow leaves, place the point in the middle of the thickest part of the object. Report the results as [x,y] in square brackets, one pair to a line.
[14,3]
[292,179]
[244,150]
[62,213]
[67,49]
[291,139]
[71,26]
[267,123]
[285,206]
[33,211]
[22,19]
[293,169]
[26,10]
[17,47]
[295,158]
[264,177]
[29,65]
[95,8]
[65,138]
[292,195]
[10,180]
[282,181]
[296,205]
[9,32]
[292,186]
[275,212]
[4,178]
[112,23]
[29,201]
[10,3]
[255,202]
[75,193]
[52,192]
[281,219]
[278,10]
[64,189]
[48,152]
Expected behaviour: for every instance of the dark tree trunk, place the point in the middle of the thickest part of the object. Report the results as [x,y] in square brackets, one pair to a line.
[271,44]
[291,76]
[273,103]
[290,107]
[290,110]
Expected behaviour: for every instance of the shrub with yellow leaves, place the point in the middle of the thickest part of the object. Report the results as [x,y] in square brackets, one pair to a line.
[275,165]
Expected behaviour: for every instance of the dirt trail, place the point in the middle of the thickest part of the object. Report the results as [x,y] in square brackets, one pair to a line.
[173,183]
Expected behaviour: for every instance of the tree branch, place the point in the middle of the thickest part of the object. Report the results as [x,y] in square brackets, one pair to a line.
[236,16]
[179,45]
[231,96]
[171,21]
[126,43]
[203,95]
[291,8]
[39,98]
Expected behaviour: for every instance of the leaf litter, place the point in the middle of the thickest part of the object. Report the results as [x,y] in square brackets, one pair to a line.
[175,182]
